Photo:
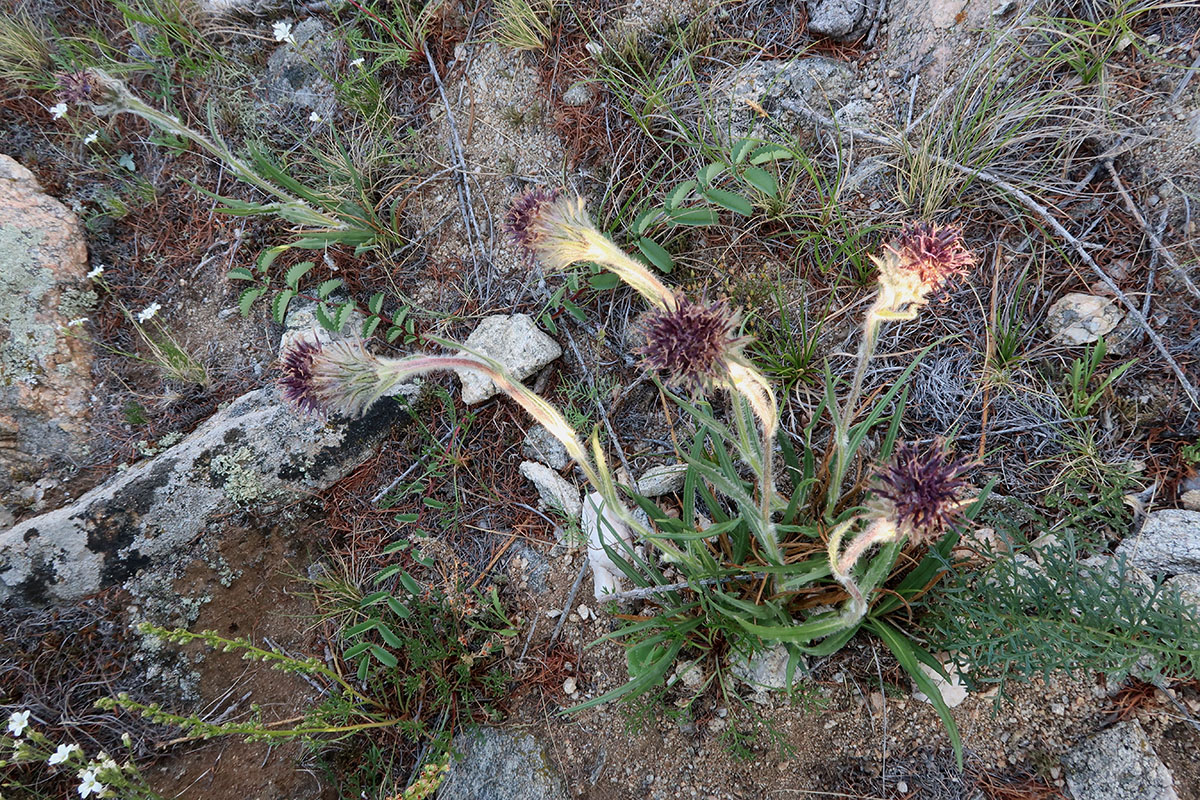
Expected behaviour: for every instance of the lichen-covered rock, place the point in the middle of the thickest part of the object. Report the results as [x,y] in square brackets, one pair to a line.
[811,83]
[841,19]
[1081,318]
[256,454]
[766,670]
[1168,543]
[296,78]
[45,374]
[1118,764]
[501,765]
[553,490]
[663,479]
[541,445]
[515,342]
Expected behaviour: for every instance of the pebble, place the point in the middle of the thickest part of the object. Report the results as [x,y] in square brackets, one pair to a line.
[569,686]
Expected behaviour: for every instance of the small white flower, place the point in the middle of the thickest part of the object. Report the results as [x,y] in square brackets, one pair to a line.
[18,721]
[314,117]
[96,272]
[358,62]
[88,785]
[147,313]
[64,753]
[91,137]
[75,323]
[283,32]
[58,111]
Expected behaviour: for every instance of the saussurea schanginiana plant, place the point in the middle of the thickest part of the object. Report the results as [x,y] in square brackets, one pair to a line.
[759,570]
[768,560]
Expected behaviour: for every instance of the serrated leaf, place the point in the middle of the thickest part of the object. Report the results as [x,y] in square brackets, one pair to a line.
[604,282]
[240,274]
[246,301]
[696,217]
[384,657]
[398,317]
[679,194]
[356,650]
[360,628]
[295,273]
[656,254]
[267,257]
[392,333]
[770,152]
[279,305]
[364,667]
[762,180]
[342,315]
[398,608]
[730,200]
[373,598]
[326,287]
[574,310]
[740,149]
[642,221]
[410,583]
[376,302]
[324,320]
[368,329]
[709,172]
[387,572]
[389,636]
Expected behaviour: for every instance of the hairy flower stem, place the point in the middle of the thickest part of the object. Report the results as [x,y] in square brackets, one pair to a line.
[393,371]
[118,99]
[881,531]
[748,384]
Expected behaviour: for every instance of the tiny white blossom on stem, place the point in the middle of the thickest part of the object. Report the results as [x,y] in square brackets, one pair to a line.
[88,785]
[18,721]
[75,323]
[91,137]
[58,111]
[314,117]
[96,272]
[358,62]
[64,753]
[147,313]
[283,32]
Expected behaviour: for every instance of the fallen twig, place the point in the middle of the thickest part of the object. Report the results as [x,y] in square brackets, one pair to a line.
[1155,241]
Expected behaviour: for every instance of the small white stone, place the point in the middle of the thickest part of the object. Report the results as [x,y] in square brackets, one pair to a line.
[514,341]
[1076,318]
[953,691]
[569,686]
[553,490]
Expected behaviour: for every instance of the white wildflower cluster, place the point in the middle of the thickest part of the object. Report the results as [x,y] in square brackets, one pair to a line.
[147,313]
[98,777]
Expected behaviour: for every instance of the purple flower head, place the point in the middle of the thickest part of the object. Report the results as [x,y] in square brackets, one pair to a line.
[934,253]
[524,218]
[297,380]
[689,344]
[77,87]
[921,487]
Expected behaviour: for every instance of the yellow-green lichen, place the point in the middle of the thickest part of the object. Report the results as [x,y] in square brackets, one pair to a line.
[243,484]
